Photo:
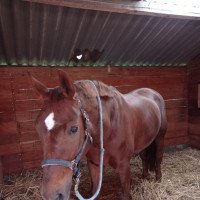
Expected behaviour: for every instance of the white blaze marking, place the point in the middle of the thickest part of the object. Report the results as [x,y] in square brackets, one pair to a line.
[79,57]
[49,121]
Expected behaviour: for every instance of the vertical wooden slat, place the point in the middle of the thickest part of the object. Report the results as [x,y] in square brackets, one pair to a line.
[198,95]
[1,172]
[194,102]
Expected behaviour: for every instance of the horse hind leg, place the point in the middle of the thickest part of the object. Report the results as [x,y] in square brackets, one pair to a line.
[155,154]
[159,142]
[145,171]
[153,157]
[148,157]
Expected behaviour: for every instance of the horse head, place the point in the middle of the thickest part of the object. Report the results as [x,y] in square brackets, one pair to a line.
[60,126]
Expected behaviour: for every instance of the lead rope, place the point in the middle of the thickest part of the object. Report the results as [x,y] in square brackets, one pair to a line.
[78,195]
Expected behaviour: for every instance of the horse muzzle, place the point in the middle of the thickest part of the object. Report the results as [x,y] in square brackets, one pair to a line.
[54,188]
[58,195]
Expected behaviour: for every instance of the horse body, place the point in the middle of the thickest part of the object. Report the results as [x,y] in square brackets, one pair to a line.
[133,123]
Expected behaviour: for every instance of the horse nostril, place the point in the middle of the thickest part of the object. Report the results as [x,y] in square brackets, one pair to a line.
[60,197]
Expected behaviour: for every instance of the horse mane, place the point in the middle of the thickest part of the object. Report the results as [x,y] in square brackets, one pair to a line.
[86,87]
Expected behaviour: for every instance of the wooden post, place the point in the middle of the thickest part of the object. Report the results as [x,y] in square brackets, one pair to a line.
[198,95]
[1,172]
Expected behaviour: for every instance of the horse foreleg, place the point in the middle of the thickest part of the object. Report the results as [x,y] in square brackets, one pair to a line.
[125,178]
[94,176]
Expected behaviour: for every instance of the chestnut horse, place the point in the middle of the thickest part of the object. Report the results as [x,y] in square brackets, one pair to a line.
[133,123]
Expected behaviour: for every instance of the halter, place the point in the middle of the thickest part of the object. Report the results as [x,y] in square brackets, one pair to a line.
[74,165]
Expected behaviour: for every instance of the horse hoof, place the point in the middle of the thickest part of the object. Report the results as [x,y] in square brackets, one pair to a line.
[158,179]
[126,197]
[146,176]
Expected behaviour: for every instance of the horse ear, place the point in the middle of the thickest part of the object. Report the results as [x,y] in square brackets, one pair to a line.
[66,84]
[42,90]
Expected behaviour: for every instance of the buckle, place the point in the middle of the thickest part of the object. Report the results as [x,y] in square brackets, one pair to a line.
[73,165]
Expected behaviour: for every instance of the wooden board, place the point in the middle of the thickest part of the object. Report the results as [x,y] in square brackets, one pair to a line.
[194,99]
[1,172]
[12,163]
[164,8]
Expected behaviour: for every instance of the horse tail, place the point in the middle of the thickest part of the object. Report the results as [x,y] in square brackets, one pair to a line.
[151,156]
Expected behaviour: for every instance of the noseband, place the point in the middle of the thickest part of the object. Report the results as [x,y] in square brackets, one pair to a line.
[74,165]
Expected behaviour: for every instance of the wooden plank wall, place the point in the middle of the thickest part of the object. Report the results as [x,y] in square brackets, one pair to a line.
[194,111]
[19,105]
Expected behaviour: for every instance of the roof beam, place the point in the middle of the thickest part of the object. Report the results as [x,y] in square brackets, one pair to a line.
[165,8]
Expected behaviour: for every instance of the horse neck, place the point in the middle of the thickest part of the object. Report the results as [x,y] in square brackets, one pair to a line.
[90,105]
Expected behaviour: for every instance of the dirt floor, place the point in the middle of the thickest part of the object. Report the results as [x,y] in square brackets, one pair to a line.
[181,181]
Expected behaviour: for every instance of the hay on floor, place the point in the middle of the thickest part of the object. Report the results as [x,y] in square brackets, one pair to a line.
[181,181]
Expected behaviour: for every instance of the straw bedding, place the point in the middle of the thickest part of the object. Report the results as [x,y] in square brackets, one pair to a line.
[181,181]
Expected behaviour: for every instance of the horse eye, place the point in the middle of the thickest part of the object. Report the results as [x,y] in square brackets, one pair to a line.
[73,129]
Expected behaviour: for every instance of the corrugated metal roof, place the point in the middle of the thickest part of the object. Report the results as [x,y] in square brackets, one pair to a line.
[37,34]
